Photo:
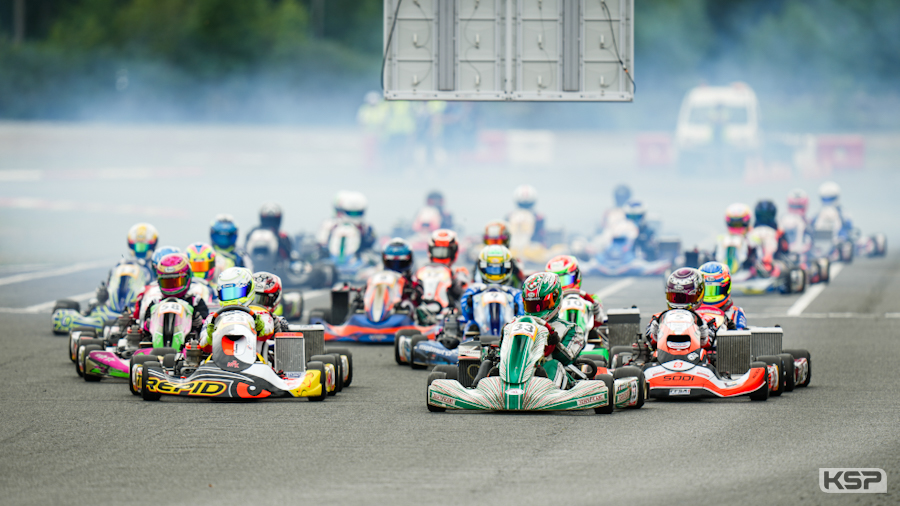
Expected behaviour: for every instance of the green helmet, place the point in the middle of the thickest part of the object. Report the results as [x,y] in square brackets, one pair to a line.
[235,287]
[542,293]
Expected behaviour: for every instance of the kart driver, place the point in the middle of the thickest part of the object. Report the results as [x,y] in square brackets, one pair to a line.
[349,207]
[525,197]
[717,293]
[829,194]
[495,269]
[443,248]
[646,240]
[174,276]
[223,234]
[235,287]
[265,302]
[270,219]
[496,232]
[435,199]
[684,290]
[566,267]
[542,294]
[397,256]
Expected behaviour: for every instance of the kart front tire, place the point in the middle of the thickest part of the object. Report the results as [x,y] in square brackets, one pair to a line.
[397,351]
[346,353]
[787,361]
[315,365]
[610,388]
[776,361]
[450,371]
[803,354]
[431,377]
[338,380]
[136,361]
[146,394]
[90,378]
[79,347]
[761,393]
[634,372]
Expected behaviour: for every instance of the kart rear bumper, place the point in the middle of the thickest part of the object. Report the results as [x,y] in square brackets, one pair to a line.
[359,329]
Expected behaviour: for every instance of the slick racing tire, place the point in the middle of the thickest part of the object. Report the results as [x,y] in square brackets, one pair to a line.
[66,304]
[431,377]
[416,339]
[614,355]
[146,394]
[315,365]
[168,361]
[338,372]
[803,354]
[345,353]
[643,386]
[397,350]
[321,313]
[761,393]
[450,371]
[91,378]
[824,269]
[136,362]
[787,361]
[610,388]
[776,361]
[81,344]
[76,334]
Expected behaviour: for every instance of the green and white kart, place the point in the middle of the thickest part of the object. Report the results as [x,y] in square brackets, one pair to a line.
[519,385]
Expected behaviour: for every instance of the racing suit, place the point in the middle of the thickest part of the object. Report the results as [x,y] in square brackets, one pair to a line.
[736,316]
[272,324]
[259,324]
[366,234]
[231,257]
[707,335]
[571,342]
[285,245]
[200,313]
[467,312]
[846,222]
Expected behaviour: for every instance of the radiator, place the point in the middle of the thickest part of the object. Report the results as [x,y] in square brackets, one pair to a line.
[766,341]
[290,353]
[315,338]
[624,325]
[733,352]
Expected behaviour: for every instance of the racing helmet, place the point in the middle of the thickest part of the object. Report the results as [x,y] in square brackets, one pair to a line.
[373,98]
[142,239]
[717,285]
[267,290]
[495,264]
[737,218]
[566,267]
[270,216]
[397,256]
[202,257]
[173,273]
[684,289]
[542,295]
[622,194]
[443,247]
[525,196]
[223,232]
[764,214]
[635,211]
[496,232]
[351,205]
[797,202]
[159,253]
[829,192]
[435,199]
[235,287]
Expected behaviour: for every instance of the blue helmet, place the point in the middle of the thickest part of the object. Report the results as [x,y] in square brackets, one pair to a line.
[397,256]
[223,232]
[161,252]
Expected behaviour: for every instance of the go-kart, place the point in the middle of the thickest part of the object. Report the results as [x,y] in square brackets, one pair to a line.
[295,272]
[745,362]
[372,316]
[234,370]
[617,254]
[575,309]
[764,276]
[511,378]
[492,308]
[169,327]
[800,245]
[126,282]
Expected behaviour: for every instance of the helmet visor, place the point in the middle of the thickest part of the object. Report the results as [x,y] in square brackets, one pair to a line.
[355,214]
[493,272]
[547,303]
[398,264]
[494,240]
[440,252]
[233,292]
[201,267]
[715,293]
[223,240]
[140,248]
[736,222]
[567,280]
[682,298]
[173,283]
[266,299]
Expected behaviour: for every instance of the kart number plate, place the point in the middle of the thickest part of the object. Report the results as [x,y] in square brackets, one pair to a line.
[493,297]
[679,391]
[171,307]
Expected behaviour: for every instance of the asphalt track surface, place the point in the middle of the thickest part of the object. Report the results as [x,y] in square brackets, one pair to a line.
[64,441]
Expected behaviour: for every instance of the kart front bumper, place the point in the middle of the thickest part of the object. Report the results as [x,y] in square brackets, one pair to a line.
[256,382]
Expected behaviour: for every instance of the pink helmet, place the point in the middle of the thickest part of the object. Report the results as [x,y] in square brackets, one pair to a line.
[174,275]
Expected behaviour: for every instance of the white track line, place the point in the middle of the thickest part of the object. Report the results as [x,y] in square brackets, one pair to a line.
[615,288]
[28,276]
[811,293]
[44,306]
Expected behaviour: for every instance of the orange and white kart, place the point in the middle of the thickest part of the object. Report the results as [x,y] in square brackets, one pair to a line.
[680,367]
[235,370]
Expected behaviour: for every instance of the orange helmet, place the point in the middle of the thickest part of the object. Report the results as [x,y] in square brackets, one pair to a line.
[443,247]
[496,232]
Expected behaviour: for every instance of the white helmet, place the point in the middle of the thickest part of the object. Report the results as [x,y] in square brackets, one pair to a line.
[352,205]
[525,196]
[829,192]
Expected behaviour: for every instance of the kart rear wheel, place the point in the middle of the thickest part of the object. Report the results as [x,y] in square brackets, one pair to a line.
[416,339]
[787,361]
[86,374]
[803,354]
[76,334]
[761,393]
[634,372]
[146,394]
[610,383]
[338,373]
[345,352]
[320,313]
[615,353]
[431,377]
[67,304]
[450,371]
[315,365]
[397,350]
[133,366]
[79,347]
[776,361]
